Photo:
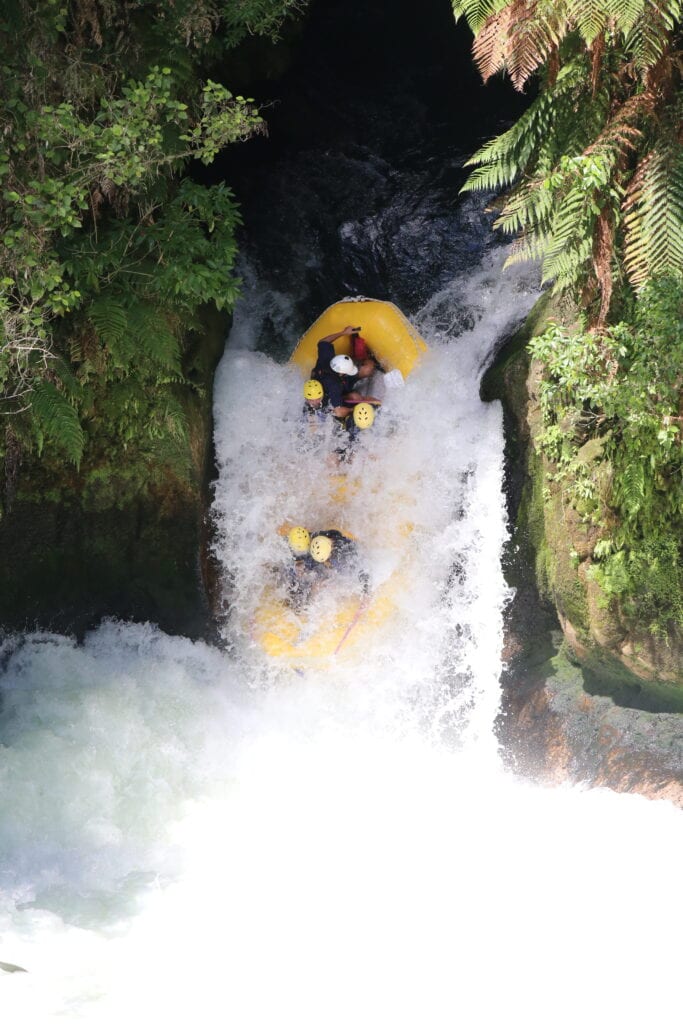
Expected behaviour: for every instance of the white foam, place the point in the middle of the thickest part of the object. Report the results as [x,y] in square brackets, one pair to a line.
[187,833]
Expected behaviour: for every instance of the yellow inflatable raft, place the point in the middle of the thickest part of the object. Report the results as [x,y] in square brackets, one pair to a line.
[304,637]
[390,336]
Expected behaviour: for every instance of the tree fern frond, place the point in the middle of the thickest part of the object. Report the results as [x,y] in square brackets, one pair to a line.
[568,225]
[589,16]
[624,13]
[58,419]
[153,335]
[108,316]
[490,44]
[622,132]
[530,205]
[654,215]
[592,17]
[528,248]
[648,38]
[536,29]
[504,158]
[477,11]
[519,38]
[493,177]
[566,268]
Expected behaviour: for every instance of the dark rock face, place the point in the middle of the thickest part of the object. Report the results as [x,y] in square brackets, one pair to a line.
[127,537]
[66,567]
[570,711]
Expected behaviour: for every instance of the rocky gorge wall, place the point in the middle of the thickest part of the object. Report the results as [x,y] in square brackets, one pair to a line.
[588,697]
[127,535]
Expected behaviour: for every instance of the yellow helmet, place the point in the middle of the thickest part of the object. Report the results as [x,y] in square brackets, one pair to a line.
[321,548]
[363,415]
[299,540]
[313,389]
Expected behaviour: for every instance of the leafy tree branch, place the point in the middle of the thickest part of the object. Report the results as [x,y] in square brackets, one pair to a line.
[104,106]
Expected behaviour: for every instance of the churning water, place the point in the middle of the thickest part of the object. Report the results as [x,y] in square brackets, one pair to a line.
[189,833]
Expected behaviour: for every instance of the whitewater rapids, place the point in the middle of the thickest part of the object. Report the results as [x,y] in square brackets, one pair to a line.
[187,832]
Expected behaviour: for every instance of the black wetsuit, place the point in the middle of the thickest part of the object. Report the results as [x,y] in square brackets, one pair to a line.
[343,549]
[344,555]
[335,385]
[302,574]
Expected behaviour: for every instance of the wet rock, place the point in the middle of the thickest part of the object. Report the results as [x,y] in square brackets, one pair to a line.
[612,720]
[126,536]
[556,732]
[12,968]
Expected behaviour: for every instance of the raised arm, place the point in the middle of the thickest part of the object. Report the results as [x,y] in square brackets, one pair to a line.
[341,334]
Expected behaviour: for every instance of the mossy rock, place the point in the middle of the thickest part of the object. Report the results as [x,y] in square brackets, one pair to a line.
[556,533]
[125,536]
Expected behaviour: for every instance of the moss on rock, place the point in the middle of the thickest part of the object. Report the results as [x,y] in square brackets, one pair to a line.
[554,530]
[126,535]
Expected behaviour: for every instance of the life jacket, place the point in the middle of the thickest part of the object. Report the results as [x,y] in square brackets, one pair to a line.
[359,347]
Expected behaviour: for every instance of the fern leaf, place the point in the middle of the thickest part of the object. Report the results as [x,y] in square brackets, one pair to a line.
[477,11]
[568,224]
[625,13]
[107,314]
[536,30]
[66,377]
[530,247]
[589,16]
[631,487]
[593,17]
[76,348]
[566,268]
[490,44]
[58,419]
[622,132]
[505,158]
[654,215]
[152,334]
[530,205]
[650,34]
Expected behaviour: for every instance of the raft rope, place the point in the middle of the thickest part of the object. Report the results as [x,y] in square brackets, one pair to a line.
[361,609]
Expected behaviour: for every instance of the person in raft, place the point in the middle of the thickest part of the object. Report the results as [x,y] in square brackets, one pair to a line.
[315,556]
[339,375]
[314,406]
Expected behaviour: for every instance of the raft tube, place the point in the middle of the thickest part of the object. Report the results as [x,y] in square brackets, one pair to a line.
[390,336]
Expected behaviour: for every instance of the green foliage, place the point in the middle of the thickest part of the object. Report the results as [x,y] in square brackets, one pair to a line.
[647,581]
[596,160]
[108,250]
[257,17]
[654,207]
[626,386]
[477,12]
[56,420]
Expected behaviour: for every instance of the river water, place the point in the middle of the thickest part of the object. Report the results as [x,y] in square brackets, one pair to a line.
[195,832]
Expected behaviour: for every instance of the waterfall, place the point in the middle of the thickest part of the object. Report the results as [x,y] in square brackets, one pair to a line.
[188,831]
